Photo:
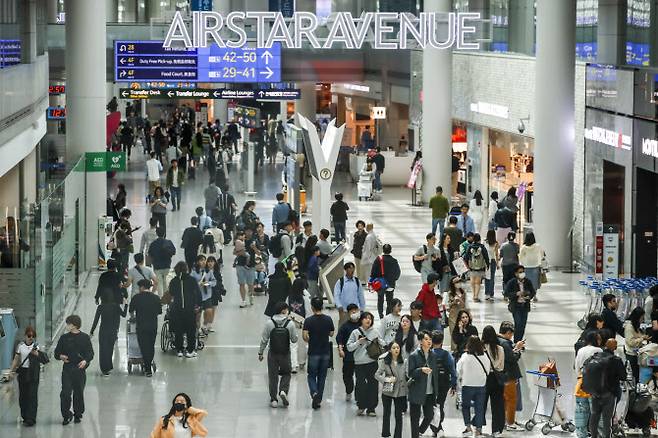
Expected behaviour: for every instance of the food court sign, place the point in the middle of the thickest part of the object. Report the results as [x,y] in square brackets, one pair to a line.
[383,30]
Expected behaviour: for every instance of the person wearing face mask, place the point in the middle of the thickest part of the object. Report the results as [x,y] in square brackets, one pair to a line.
[342,337]
[27,363]
[182,421]
[75,350]
[519,291]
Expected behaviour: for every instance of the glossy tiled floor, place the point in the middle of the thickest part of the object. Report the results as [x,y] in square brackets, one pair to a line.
[227,379]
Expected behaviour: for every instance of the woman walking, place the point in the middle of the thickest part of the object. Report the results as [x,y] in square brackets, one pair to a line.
[279,288]
[472,371]
[391,373]
[493,208]
[406,337]
[445,263]
[158,203]
[492,249]
[358,240]
[299,302]
[365,366]
[182,421]
[27,363]
[531,256]
[495,380]
[205,277]
[463,331]
[477,210]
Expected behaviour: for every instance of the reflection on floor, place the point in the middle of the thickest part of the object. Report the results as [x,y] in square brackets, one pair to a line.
[227,379]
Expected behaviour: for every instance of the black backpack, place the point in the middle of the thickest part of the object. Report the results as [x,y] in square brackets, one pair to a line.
[275,247]
[418,263]
[280,338]
[595,374]
[443,372]
[293,216]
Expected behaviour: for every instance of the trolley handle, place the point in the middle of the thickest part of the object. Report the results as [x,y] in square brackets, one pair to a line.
[538,374]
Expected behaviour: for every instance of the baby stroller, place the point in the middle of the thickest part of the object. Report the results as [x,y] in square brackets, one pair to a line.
[633,409]
[548,409]
[167,335]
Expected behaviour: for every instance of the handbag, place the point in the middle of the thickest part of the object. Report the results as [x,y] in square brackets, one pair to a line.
[444,318]
[374,349]
[543,278]
[389,386]
[499,376]
[379,283]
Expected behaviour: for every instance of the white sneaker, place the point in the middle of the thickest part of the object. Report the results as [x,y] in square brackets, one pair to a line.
[190,355]
[180,354]
[348,397]
[294,370]
[274,404]
[284,398]
[440,434]
[243,304]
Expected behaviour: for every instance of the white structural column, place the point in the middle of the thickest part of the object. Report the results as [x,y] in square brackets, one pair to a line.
[554,132]
[85,105]
[611,32]
[28,12]
[220,106]
[307,107]
[436,130]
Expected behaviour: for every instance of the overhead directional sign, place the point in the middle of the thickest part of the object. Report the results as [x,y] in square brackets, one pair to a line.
[150,61]
[206,93]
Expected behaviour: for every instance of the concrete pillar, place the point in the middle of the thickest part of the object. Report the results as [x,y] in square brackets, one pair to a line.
[53,10]
[522,26]
[611,33]
[436,131]
[85,102]
[554,132]
[111,11]
[220,106]
[283,110]
[28,17]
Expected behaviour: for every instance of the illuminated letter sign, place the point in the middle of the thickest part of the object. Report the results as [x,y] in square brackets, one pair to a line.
[380,29]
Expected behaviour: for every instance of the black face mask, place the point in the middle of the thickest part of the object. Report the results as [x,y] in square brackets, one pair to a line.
[179,407]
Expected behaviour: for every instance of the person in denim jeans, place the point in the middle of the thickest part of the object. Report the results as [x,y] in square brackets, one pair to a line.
[316,332]
[492,248]
[583,403]
[472,370]
[175,180]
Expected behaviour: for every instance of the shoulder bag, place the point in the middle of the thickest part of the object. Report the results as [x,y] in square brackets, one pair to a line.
[379,283]
[373,349]
[389,386]
[498,376]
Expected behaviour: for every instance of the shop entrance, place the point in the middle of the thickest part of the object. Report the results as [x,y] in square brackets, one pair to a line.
[646,244]
[613,201]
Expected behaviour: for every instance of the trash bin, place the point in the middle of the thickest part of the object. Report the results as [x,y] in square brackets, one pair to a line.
[8,331]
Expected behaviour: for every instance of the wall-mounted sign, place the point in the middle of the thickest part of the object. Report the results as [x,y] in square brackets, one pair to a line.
[247,116]
[54,90]
[611,251]
[490,109]
[10,53]
[56,113]
[389,30]
[105,161]
[378,112]
[208,93]
[650,147]
[609,138]
[150,61]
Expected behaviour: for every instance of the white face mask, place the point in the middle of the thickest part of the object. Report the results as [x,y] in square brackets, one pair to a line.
[521,275]
[355,317]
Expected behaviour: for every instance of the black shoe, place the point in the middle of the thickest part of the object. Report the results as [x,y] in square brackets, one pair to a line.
[149,374]
[77,419]
[66,421]
[316,402]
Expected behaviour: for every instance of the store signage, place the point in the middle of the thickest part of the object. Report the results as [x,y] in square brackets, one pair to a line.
[609,138]
[611,252]
[151,61]
[383,30]
[54,90]
[208,93]
[490,109]
[357,87]
[650,147]
[202,5]
[55,113]
[105,161]
[378,112]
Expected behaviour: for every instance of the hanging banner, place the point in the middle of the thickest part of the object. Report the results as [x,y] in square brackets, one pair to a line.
[414,174]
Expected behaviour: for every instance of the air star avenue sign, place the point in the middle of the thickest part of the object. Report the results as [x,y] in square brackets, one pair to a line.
[383,30]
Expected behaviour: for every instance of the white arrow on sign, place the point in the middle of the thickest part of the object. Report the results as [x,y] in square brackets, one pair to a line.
[122,60]
[266,56]
[216,93]
[268,72]
[122,73]
[170,93]
[124,93]
[261,93]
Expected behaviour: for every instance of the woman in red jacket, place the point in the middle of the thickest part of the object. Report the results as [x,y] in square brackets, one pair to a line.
[431,300]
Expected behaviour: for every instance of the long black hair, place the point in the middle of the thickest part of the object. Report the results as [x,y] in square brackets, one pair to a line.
[478,198]
[172,411]
[636,317]
[407,343]
[388,359]
[490,339]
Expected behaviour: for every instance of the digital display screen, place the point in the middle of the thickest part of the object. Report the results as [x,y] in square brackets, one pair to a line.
[10,53]
[150,61]
[56,113]
[247,116]
[609,88]
[56,89]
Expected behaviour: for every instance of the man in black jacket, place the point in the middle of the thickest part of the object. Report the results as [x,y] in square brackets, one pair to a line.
[342,336]
[422,365]
[519,291]
[146,307]
[612,325]
[161,251]
[388,267]
[75,350]
[110,285]
[511,369]
[192,239]
[603,405]
[185,304]
[338,213]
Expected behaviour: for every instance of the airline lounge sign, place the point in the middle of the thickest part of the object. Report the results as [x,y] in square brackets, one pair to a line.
[383,30]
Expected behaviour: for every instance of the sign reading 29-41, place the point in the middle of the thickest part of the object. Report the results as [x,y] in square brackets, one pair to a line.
[150,61]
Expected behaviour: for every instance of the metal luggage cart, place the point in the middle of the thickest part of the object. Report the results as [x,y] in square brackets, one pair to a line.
[547,409]
[132,348]
[364,189]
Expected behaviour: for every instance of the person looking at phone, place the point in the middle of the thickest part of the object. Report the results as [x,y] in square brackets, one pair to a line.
[423,385]
[27,363]
[511,370]
[519,291]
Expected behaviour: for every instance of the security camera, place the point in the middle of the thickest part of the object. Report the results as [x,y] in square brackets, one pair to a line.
[521,126]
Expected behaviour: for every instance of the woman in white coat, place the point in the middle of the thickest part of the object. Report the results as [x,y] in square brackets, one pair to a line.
[478,211]
[371,250]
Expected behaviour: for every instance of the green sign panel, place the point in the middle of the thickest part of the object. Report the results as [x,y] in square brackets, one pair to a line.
[106,162]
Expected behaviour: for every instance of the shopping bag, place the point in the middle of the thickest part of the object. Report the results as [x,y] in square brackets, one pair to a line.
[436,419]
[460,266]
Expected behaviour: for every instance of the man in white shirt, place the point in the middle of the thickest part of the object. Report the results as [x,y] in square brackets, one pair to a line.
[141,272]
[153,169]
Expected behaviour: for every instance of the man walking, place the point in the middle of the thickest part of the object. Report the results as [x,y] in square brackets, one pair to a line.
[161,251]
[146,307]
[280,213]
[317,330]
[465,222]
[511,370]
[387,267]
[75,350]
[175,181]
[153,169]
[427,255]
[279,332]
[424,387]
[440,209]
[342,337]
[348,291]
[191,240]
[380,163]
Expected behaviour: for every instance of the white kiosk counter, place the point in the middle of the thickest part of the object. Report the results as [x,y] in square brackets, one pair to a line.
[396,172]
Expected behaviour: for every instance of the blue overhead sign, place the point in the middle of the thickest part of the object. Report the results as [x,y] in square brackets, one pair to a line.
[150,61]
[10,53]
[202,5]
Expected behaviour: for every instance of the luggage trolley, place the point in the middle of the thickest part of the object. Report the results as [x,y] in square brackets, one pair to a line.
[547,409]
[132,347]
